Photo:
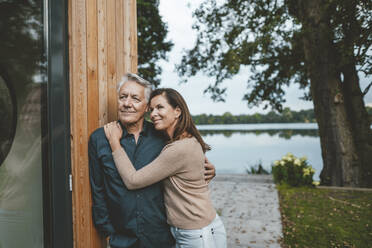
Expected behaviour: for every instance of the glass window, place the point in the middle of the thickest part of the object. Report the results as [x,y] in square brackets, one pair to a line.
[22,109]
[8,118]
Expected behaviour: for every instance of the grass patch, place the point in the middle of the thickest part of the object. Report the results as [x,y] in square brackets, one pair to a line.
[218,210]
[325,218]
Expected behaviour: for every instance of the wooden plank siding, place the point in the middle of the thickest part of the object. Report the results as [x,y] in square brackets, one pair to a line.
[102,48]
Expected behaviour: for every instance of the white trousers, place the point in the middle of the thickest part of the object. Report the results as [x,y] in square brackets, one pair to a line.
[211,236]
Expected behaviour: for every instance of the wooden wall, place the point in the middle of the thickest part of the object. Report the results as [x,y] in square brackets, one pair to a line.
[102,48]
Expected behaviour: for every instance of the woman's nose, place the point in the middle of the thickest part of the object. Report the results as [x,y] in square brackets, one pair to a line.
[153,114]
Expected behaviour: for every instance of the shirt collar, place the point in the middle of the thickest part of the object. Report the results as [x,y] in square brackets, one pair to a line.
[146,128]
[144,132]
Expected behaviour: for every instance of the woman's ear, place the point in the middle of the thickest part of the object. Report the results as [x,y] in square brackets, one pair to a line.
[178,112]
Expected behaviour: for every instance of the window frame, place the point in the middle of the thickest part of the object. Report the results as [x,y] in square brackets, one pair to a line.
[57,196]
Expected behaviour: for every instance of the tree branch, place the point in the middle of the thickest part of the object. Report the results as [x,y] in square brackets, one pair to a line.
[367,89]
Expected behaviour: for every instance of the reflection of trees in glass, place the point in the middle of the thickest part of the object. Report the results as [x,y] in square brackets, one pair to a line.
[22,61]
[21,45]
[22,67]
[8,114]
[285,133]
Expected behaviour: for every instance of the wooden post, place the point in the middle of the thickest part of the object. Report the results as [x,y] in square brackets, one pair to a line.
[102,48]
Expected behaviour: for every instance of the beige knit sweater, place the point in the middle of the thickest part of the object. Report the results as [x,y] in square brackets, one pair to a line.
[186,194]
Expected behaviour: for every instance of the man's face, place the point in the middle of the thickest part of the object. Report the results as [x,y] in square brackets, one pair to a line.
[132,104]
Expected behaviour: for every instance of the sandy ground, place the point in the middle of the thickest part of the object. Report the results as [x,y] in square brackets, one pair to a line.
[249,208]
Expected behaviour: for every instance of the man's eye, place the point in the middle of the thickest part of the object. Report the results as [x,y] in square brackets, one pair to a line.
[122,97]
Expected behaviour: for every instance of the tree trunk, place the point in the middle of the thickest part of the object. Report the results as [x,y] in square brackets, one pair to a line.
[338,104]
[360,124]
[353,97]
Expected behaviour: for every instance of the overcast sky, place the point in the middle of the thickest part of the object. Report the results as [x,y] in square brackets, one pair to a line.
[178,16]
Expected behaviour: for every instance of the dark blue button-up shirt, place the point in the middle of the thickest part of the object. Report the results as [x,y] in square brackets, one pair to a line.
[132,218]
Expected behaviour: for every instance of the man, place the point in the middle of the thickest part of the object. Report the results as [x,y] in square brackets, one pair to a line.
[133,218]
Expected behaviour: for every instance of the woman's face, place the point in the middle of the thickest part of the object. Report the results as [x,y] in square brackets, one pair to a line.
[163,115]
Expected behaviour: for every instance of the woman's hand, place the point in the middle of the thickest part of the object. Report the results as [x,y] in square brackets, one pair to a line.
[113,134]
[209,170]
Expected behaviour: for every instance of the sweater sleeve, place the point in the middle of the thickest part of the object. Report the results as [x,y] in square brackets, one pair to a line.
[170,160]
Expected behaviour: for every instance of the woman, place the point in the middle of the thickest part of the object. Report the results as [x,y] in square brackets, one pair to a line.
[193,220]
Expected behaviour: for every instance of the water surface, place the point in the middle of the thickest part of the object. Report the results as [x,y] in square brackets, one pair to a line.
[237,147]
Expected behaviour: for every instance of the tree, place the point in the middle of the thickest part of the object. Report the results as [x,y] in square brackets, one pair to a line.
[152,47]
[320,45]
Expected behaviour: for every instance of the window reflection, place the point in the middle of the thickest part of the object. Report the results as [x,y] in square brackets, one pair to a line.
[21,179]
[9,116]
[22,94]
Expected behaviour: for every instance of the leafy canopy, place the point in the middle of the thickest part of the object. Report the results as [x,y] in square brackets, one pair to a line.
[266,36]
[152,44]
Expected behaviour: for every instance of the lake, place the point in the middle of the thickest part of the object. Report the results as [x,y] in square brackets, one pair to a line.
[237,147]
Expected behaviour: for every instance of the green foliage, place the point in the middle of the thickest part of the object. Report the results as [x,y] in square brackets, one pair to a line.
[369,111]
[152,44]
[293,171]
[285,133]
[287,116]
[257,169]
[314,217]
[268,38]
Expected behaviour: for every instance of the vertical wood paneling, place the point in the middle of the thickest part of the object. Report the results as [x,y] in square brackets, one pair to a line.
[133,36]
[103,46]
[126,41]
[93,108]
[120,55]
[111,60]
[79,118]
[102,62]
[92,64]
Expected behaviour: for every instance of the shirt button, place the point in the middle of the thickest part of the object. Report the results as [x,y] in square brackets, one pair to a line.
[138,196]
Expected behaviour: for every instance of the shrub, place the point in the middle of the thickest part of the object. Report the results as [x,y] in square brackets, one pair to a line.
[293,171]
[257,169]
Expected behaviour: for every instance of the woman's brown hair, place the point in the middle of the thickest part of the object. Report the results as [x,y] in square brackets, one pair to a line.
[185,123]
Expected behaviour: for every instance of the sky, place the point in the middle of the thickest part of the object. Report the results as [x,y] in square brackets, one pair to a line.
[178,16]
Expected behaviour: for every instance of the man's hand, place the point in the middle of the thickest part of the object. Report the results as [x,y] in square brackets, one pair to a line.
[210,170]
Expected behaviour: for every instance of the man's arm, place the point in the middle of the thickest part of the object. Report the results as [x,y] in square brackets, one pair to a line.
[210,170]
[101,217]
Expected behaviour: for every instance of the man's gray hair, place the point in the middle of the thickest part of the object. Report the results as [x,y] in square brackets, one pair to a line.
[134,77]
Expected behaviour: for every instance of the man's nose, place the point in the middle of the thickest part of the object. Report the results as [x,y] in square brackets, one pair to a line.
[127,102]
